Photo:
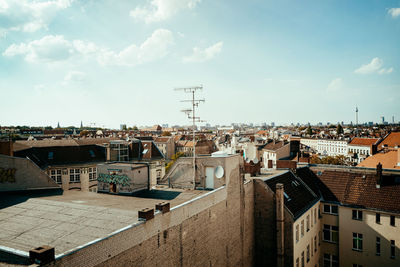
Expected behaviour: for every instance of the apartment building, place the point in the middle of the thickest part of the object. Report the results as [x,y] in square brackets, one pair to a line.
[166,144]
[310,143]
[360,216]
[332,147]
[361,148]
[72,167]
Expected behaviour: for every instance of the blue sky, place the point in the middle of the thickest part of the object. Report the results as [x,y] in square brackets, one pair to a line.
[113,62]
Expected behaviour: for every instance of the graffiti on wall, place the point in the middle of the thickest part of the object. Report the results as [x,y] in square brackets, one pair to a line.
[7,175]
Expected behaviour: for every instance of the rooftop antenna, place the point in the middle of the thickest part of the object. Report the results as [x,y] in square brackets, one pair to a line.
[191,114]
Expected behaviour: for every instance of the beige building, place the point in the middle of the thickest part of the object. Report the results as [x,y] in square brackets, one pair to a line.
[166,144]
[72,167]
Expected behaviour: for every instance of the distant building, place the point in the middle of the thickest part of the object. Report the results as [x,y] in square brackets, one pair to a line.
[361,148]
[122,178]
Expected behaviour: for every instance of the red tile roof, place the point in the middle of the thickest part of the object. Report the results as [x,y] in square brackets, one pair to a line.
[359,189]
[392,140]
[358,141]
[389,160]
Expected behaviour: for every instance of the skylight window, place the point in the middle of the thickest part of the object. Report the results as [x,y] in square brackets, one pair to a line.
[50,155]
[145,151]
[286,196]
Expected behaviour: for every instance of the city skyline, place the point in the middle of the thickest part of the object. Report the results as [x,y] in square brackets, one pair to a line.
[94,61]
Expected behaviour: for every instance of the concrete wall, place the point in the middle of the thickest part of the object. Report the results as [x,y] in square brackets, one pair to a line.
[83,185]
[181,174]
[26,175]
[215,229]
[138,175]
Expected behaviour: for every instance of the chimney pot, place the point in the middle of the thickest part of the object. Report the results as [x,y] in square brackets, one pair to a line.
[146,214]
[378,175]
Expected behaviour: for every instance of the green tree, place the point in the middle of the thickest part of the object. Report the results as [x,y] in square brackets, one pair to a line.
[309,130]
[339,129]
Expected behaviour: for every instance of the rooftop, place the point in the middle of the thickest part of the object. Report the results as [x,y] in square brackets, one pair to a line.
[74,218]
[358,141]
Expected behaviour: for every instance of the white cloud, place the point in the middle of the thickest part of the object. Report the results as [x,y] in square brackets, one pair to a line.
[29,16]
[395,12]
[335,85]
[75,76]
[56,48]
[159,10]
[201,55]
[373,67]
[155,47]
[385,71]
[48,49]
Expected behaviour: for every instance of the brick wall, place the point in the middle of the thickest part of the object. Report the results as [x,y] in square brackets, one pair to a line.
[213,230]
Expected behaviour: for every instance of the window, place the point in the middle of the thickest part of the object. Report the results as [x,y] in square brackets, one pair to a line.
[297,262]
[312,215]
[331,260]
[392,220]
[356,265]
[357,215]
[302,228]
[308,253]
[331,233]
[92,153]
[315,216]
[302,259]
[315,243]
[50,155]
[56,175]
[331,209]
[392,249]
[297,233]
[74,175]
[378,218]
[357,241]
[378,246]
[92,174]
[308,222]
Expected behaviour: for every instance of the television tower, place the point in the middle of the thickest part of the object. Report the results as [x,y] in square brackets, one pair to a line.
[356,116]
[191,113]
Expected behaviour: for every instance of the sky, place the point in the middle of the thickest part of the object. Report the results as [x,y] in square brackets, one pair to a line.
[107,63]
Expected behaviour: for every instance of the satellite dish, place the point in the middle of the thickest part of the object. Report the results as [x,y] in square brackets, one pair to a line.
[219,172]
[255,161]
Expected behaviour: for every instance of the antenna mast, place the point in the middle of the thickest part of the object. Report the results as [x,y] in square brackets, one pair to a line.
[191,114]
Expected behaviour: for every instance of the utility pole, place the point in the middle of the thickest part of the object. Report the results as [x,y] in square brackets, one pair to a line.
[191,113]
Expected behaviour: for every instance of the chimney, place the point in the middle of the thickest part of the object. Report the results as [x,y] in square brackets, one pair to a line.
[374,149]
[280,225]
[378,175]
[398,157]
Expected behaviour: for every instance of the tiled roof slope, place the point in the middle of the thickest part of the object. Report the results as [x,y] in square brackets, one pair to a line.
[63,155]
[358,141]
[358,188]
[392,140]
[389,160]
[301,197]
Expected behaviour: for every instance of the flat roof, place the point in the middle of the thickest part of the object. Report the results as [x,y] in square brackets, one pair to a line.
[74,218]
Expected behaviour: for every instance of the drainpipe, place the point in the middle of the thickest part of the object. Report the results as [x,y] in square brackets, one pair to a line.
[280,225]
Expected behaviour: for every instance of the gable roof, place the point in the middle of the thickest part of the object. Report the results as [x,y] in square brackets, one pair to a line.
[358,188]
[63,155]
[391,140]
[299,196]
